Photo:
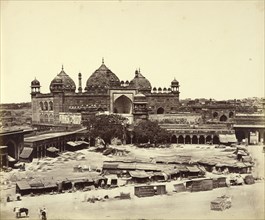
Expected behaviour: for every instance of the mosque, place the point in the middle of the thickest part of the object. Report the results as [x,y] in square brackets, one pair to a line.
[103,92]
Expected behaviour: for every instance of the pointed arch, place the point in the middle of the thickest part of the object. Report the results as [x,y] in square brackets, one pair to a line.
[41,106]
[174,139]
[51,118]
[201,140]
[194,139]
[123,105]
[160,110]
[208,139]
[187,140]
[223,118]
[216,139]
[231,114]
[46,106]
[51,106]
[215,114]
[181,139]
[46,118]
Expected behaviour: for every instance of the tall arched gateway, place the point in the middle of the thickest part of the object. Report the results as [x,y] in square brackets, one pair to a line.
[123,105]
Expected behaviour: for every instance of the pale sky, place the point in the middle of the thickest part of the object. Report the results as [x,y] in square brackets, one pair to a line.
[215,49]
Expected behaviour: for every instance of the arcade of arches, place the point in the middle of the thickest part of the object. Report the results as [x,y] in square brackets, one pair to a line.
[195,139]
[14,140]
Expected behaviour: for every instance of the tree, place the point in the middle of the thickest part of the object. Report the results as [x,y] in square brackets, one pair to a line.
[149,131]
[105,126]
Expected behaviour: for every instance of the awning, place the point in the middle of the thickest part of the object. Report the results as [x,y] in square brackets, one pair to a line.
[26,152]
[110,166]
[182,168]
[77,143]
[231,138]
[112,177]
[139,174]
[193,169]
[227,138]
[222,138]
[23,185]
[52,149]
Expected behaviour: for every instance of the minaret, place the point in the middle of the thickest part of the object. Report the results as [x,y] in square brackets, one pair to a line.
[35,87]
[79,83]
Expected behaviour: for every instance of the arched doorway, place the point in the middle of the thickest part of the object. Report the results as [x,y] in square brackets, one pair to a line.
[181,139]
[240,135]
[215,114]
[160,110]
[46,108]
[201,140]
[123,105]
[194,139]
[41,118]
[51,106]
[223,118]
[100,110]
[51,118]
[231,114]
[41,106]
[174,139]
[11,149]
[208,139]
[46,118]
[187,140]
[216,140]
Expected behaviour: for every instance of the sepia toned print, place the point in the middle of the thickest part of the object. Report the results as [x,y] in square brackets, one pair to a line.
[132,110]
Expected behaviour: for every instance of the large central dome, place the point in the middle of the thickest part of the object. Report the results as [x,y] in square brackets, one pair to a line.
[103,77]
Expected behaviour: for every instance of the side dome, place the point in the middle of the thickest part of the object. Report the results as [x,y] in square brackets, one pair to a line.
[103,77]
[62,82]
[174,82]
[35,82]
[140,82]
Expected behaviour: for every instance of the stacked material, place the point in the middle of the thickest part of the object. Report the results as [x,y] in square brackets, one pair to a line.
[200,184]
[221,203]
[180,187]
[249,179]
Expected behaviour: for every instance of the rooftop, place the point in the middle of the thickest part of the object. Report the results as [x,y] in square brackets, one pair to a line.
[50,135]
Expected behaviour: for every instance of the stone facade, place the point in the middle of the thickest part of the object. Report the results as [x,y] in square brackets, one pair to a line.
[104,92]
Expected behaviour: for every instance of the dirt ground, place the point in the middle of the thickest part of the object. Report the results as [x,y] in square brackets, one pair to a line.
[247,200]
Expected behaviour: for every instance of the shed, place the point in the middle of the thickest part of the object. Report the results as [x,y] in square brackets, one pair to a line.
[149,190]
[200,184]
[193,170]
[112,180]
[179,187]
[139,176]
[110,168]
[23,187]
[207,164]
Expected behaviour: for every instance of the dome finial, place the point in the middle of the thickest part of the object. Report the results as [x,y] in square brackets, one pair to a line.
[102,60]
[62,67]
